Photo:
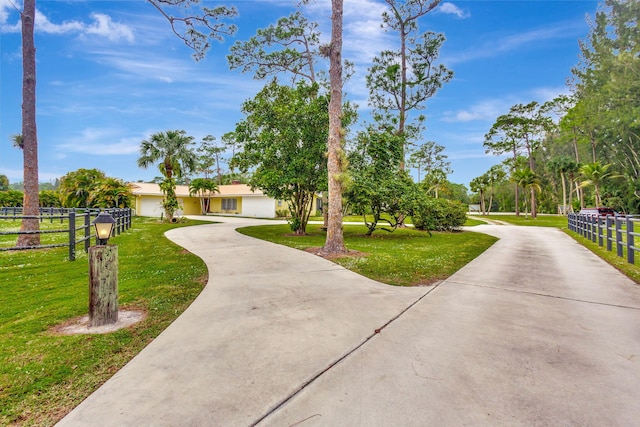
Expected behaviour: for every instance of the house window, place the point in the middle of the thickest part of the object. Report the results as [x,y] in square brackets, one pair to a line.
[229,204]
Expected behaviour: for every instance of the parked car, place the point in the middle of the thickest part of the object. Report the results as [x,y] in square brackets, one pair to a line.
[602,211]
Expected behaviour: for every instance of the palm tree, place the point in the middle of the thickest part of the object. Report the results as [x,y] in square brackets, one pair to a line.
[495,174]
[528,180]
[479,185]
[595,174]
[111,193]
[17,141]
[4,183]
[76,187]
[172,151]
[203,188]
[563,166]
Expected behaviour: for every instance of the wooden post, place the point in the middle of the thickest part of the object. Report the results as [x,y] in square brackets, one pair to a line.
[103,285]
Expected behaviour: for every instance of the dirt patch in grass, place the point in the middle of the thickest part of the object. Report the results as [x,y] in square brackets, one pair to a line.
[317,250]
[80,325]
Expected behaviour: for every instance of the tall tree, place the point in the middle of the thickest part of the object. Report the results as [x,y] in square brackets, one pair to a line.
[210,156]
[196,26]
[29,136]
[172,151]
[291,46]
[479,185]
[336,159]
[524,127]
[4,183]
[378,186]
[502,139]
[430,157]
[607,79]
[528,180]
[595,174]
[563,166]
[402,80]
[284,137]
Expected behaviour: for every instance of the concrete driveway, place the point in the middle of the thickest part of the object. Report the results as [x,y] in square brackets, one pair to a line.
[536,331]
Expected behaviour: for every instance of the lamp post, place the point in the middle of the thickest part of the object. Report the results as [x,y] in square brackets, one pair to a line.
[103,274]
[103,224]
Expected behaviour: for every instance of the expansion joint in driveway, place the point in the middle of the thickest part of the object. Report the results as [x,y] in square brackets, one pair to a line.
[284,401]
[540,294]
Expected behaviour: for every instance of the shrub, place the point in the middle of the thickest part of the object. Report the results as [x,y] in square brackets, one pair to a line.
[438,214]
[49,199]
[11,198]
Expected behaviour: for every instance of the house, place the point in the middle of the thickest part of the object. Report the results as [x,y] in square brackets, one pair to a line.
[234,199]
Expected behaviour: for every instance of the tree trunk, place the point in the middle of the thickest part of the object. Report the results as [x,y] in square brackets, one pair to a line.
[517,189]
[335,163]
[31,203]
[564,194]
[534,208]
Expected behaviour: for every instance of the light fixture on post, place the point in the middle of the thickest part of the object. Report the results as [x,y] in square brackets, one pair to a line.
[104,224]
[103,274]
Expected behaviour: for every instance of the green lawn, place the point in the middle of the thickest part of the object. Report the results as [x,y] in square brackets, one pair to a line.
[44,375]
[405,257]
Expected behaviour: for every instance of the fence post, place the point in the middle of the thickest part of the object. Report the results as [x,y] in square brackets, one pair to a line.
[600,221]
[87,231]
[72,236]
[619,237]
[630,242]
[609,236]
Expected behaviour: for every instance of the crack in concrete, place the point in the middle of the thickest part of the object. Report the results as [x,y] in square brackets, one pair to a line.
[306,384]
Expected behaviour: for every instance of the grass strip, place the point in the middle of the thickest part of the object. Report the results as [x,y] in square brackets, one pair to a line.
[405,257]
[44,375]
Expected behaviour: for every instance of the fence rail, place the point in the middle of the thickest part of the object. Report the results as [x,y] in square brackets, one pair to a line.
[78,229]
[618,231]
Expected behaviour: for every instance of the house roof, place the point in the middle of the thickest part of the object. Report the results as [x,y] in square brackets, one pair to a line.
[151,189]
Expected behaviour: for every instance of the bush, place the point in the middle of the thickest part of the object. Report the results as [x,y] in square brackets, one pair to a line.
[438,214]
[11,198]
[295,224]
[49,199]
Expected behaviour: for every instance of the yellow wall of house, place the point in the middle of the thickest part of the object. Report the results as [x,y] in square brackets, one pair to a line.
[216,205]
[190,205]
[283,205]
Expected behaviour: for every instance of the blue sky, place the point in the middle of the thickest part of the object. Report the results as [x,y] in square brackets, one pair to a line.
[111,73]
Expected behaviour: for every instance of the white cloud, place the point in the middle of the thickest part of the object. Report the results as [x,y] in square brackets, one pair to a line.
[452,9]
[491,109]
[102,25]
[43,25]
[544,94]
[101,142]
[500,45]
[485,110]
[105,27]
[7,8]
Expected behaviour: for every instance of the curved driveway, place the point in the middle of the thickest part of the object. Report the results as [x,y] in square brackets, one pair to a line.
[535,331]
